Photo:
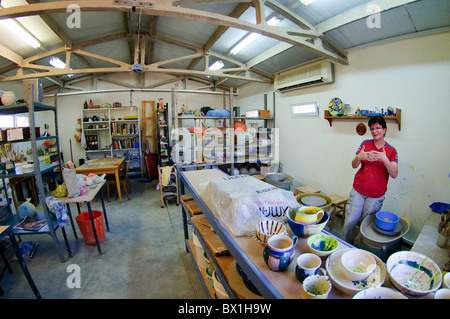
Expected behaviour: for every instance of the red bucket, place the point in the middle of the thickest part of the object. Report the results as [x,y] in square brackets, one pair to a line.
[84,223]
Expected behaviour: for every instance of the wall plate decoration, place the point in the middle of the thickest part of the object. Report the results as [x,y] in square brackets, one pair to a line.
[361,129]
[336,106]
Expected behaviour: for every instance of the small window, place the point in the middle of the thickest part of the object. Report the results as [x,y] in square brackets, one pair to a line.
[7,121]
[305,109]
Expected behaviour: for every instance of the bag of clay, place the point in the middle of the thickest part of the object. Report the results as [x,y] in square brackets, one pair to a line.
[60,191]
[27,209]
[240,202]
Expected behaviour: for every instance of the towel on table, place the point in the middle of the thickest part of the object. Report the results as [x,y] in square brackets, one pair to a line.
[57,207]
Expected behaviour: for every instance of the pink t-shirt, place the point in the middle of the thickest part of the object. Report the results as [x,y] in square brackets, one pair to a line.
[372,178]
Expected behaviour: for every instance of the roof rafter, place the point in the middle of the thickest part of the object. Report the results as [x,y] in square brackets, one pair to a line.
[298,37]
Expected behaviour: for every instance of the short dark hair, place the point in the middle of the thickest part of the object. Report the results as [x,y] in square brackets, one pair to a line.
[378,120]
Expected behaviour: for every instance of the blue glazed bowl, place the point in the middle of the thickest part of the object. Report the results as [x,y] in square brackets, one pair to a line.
[386,220]
[306,230]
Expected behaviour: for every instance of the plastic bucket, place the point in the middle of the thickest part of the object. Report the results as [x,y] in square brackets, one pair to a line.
[85,226]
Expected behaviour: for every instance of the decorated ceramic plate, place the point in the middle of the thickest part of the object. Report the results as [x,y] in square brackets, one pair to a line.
[333,267]
[336,106]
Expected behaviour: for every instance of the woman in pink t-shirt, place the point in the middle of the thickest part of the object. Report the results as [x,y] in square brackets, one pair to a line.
[377,161]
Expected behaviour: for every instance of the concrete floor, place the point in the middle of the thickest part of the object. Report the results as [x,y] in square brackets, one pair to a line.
[144,256]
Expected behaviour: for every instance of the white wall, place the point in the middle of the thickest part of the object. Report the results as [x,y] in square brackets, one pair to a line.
[412,75]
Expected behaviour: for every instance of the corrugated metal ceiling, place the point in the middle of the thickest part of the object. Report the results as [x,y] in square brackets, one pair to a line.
[171,37]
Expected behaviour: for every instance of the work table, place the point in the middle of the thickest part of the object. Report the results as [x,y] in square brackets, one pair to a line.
[426,245]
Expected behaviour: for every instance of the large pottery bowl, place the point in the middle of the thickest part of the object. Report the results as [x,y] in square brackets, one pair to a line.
[413,274]
[306,230]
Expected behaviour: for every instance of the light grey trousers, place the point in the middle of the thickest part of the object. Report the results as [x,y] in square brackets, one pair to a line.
[358,208]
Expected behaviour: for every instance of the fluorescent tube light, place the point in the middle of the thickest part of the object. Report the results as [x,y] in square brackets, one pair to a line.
[21,32]
[216,65]
[57,63]
[252,37]
[306,2]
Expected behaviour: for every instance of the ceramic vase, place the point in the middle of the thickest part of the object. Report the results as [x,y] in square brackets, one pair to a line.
[279,251]
[8,97]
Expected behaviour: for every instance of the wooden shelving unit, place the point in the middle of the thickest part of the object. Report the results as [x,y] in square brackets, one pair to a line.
[397,117]
[118,131]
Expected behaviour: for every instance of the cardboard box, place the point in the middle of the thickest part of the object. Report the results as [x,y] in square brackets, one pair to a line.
[21,133]
[264,113]
[38,91]
[3,135]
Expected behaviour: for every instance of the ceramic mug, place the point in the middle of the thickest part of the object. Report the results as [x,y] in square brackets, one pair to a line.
[279,251]
[316,287]
[307,265]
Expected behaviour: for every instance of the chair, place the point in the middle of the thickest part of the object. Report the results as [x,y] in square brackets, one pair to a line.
[339,207]
[168,186]
[123,179]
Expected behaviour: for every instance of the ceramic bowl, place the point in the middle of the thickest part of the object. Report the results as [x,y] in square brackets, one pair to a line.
[322,244]
[268,228]
[325,207]
[443,293]
[333,267]
[386,220]
[413,274]
[446,281]
[379,293]
[357,264]
[306,230]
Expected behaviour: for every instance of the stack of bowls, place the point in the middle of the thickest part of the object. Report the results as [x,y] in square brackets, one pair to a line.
[302,230]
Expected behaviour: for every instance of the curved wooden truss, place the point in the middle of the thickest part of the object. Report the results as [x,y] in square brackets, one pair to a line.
[305,36]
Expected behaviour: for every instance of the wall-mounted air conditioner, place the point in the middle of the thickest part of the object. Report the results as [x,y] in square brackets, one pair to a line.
[305,76]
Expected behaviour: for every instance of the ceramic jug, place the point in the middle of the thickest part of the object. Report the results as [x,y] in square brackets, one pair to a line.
[308,215]
[279,251]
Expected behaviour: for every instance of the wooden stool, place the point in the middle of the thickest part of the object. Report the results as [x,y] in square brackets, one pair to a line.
[339,206]
[306,189]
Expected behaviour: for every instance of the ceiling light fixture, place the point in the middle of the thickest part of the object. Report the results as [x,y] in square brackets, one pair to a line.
[216,65]
[306,2]
[21,32]
[57,63]
[252,37]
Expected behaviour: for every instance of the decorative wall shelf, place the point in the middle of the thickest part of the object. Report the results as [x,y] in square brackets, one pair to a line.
[397,117]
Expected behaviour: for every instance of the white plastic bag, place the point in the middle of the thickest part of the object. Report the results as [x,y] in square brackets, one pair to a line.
[27,209]
[241,202]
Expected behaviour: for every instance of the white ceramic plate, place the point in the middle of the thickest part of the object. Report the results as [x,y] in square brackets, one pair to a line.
[333,267]
[313,201]
[379,293]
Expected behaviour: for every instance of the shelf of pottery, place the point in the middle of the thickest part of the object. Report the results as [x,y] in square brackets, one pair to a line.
[209,140]
[113,132]
[162,118]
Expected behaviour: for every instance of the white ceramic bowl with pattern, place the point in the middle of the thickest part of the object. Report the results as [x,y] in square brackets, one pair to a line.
[413,274]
